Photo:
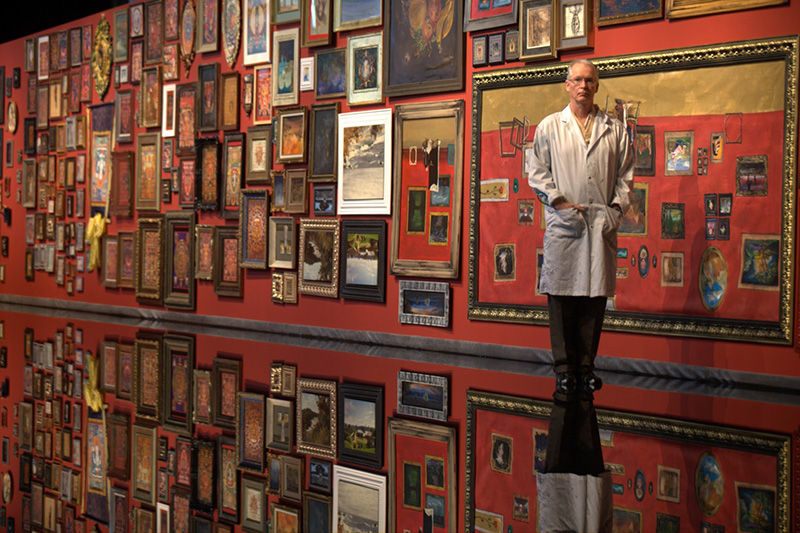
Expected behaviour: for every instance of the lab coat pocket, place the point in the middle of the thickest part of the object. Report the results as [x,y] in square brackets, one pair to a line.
[613,220]
[565,222]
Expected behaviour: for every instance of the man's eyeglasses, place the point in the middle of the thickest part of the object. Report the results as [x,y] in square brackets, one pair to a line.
[578,81]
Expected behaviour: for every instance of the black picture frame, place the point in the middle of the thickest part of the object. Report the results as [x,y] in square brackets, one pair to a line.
[355,397]
[362,260]
[206,198]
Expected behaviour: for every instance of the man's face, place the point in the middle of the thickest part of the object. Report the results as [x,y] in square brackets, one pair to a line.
[581,85]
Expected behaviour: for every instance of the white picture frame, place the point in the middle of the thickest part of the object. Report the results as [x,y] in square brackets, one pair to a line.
[357,194]
[360,494]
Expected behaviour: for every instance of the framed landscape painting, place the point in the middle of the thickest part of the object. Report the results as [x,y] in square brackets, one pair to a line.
[364,163]
[319,257]
[359,500]
[363,260]
[361,424]
[316,417]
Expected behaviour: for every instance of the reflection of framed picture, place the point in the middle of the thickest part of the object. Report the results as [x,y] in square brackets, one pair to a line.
[282,243]
[253,213]
[364,82]
[207,26]
[290,135]
[203,473]
[433,166]
[364,162]
[207,91]
[149,267]
[438,63]
[316,22]
[179,290]
[124,370]
[361,425]
[254,502]
[255,45]
[227,274]
[319,257]
[227,479]
[317,512]
[537,23]
[330,76]
[259,155]
[118,445]
[413,465]
[322,142]
[364,260]
[143,457]
[250,426]
[204,252]
[286,61]
[280,422]
[225,383]
[316,417]
[147,382]
[359,498]
[425,303]
[422,395]
[480,44]
[178,365]
[291,477]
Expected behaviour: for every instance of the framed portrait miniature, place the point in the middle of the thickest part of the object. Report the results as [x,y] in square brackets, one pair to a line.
[254,503]
[282,243]
[319,257]
[204,470]
[574,24]
[207,173]
[253,213]
[480,46]
[286,61]
[496,48]
[186,122]
[250,430]
[122,188]
[369,499]
[207,26]
[204,252]
[143,459]
[361,425]
[227,479]
[364,167]
[316,22]
[233,148]
[227,273]
[148,172]
[316,417]
[257,22]
[322,145]
[229,101]
[149,260]
[537,30]
[225,383]
[154,33]
[208,92]
[364,260]
[424,302]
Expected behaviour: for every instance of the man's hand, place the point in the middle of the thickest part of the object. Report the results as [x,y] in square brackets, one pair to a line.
[560,204]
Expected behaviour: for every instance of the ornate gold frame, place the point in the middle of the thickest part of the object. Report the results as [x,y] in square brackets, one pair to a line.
[737,53]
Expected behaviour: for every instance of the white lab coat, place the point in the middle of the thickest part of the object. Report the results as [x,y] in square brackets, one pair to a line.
[580,248]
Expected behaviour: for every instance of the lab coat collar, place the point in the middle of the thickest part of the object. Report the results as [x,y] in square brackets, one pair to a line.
[602,123]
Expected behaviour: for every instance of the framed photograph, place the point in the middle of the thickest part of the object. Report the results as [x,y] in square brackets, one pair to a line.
[537,29]
[290,135]
[482,15]
[229,101]
[416,467]
[207,173]
[186,122]
[422,395]
[203,474]
[286,61]
[232,175]
[150,93]
[364,64]
[169,94]
[262,94]
[204,252]
[110,259]
[291,478]
[120,36]
[319,257]
[147,382]
[364,162]
[316,417]
[227,479]
[361,425]
[425,303]
[227,273]
[178,364]
[148,172]
[254,504]
[364,256]
[171,62]
[143,459]
[280,423]
[330,76]
[322,144]
[358,498]
[154,32]
[575,24]
[426,220]
[253,213]
[282,243]
[188,28]
[225,383]
[608,12]
[207,26]
[208,93]
[480,47]
[257,22]
[119,455]
[250,430]
[316,23]
[149,269]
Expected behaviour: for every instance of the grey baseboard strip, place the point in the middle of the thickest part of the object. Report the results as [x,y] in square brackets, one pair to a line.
[626,372]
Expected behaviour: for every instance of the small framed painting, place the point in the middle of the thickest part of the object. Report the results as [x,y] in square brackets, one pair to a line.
[361,425]
[186,124]
[254,503]
[253,212]
[263,94]
[225,383]
[232,173]
[364,260]
[154,33]
[227,273]
[290,135]
[358,498]
[259,155]
[148,172]
[364,188]
[330,77]
[319,257]
[169,94]
[283,243]
[227,479]
[316,22]
[257,22]
[316,417]
[537,44]
[150,112]
[286,61]
[575,24]
[208,91]
[250,430]
[348,16]
[207,26]
[322,145]
[207,173]
[286,11]
[422,395]
[365,69]
[179,289]
[143,459]
[204,252]
[149,266]
[229,101]
[425,303]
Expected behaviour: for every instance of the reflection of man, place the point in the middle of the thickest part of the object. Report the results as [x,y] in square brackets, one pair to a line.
[582,171]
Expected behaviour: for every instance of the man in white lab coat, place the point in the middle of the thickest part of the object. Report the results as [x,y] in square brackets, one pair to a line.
[582,170]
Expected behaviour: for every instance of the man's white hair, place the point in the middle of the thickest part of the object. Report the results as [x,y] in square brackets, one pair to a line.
[582,62]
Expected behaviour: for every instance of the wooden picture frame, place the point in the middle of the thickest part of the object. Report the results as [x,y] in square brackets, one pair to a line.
[227,479]
[207,95]
[296,191]
[225,383]
[250,431]
[122,188]
[316,417]
[434,252]
[262,94]
[282,243]
[147,383]
[229,101]
[207,170]
[330,75]
[317,513]
[480,16]
[233,171]
[201,396]
[154,32]
[370,501]
[291,125]
[286,61]
[127,259]
[149,270]
[259,155]
[253,242]
[227,273]
[280,423]
[186,105]
[110,258]
[208,17]
[186,182]
[372,197]
[316,23]
[319,274]
[204,252]
[365,69]
[432,310]
[120,37]
[182,466]
[284,516]
[348,17]
[322,146]
[148,172]
[324,199]
[607,13]
[575,24]
[361,442]
[204,472]
[150,94]
[181,507]
[253,504]
[439,471]
[363,260]
[292,478]
[119,439]
[535,45]
[143,460]
[178,403]
[256,26]
[125,353]
[168,118]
